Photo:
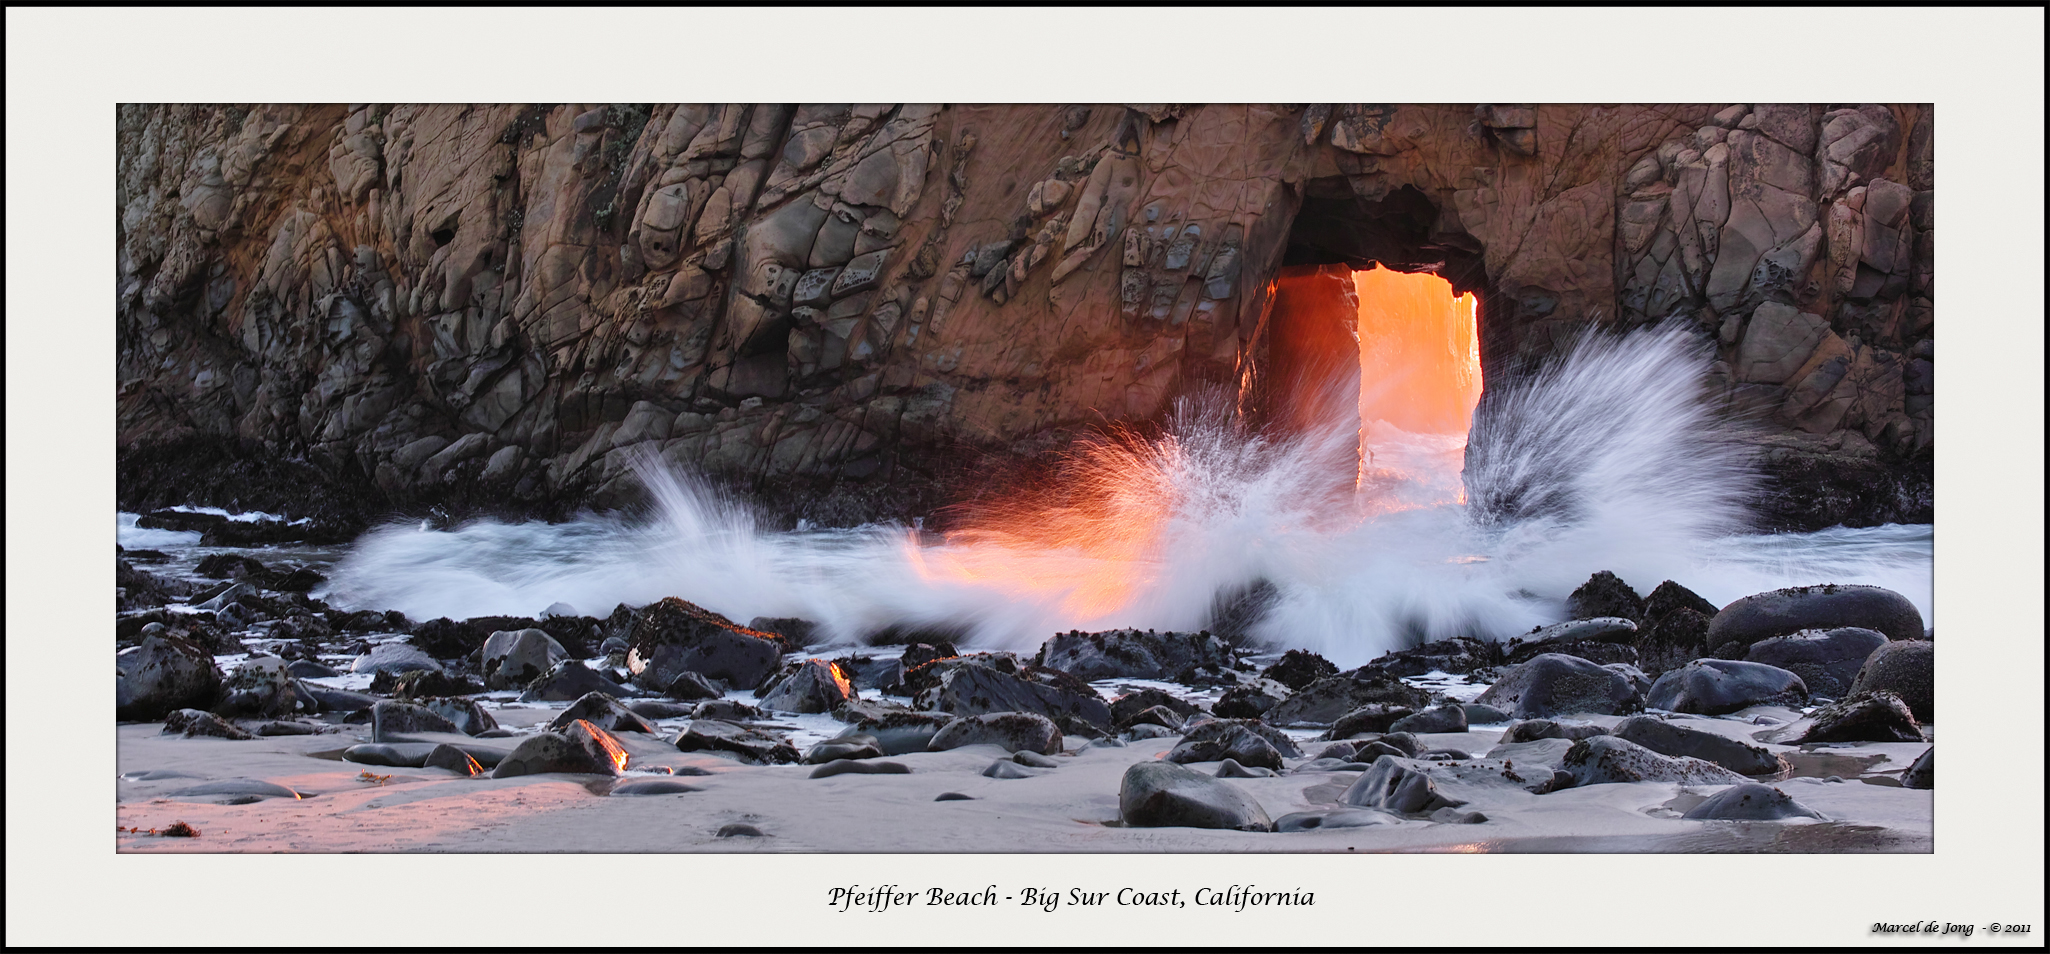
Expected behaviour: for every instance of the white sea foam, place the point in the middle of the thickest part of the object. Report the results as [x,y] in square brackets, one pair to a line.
[1608,461]
[132,537]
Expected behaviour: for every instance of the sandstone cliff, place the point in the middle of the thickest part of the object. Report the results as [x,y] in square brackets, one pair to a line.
[507,303]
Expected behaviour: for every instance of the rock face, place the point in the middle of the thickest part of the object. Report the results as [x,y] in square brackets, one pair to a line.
[360,306]
[1163,794]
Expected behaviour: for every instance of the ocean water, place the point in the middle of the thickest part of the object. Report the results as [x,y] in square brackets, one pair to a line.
[1609,461]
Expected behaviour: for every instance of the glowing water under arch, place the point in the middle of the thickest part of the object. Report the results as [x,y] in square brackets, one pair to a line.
[1420,378]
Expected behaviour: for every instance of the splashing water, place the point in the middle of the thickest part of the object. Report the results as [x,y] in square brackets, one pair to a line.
[1609,460]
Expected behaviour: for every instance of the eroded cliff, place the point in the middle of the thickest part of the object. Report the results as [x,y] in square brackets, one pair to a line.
[848,308]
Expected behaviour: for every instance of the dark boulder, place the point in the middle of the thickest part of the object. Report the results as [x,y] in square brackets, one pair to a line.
[1015,731]
[445,638]
[966,689]
[1921,774]
[1750,801]
[1448,718]
[1251,699]
[1674,630]
[896,729]
[1163,794]
[1785,612]
[603,711]
[1459,655]
[1555,684]
[1297,668]
[674,635]
[1131,654]
[1720,686]
[1672,641]
[1605,759]
[581,749]
[570,679]
[852,745]
[1864,717]
[1127,707]
[690,686]
[1531,730]
[1231,768]
[1032,759]
[389,720]
[852,767]
[1827,660]
[1218,739]
[752,744]
[1670,596]
[230,566]
[868,672]
[335,700]
[1376,717]
[1906,668]
[391,754]
[454,759]
[262,687]
[1478,714]
[1367,753]
[814,686]
[1158,715]
[1323,702]
[195,722]
[164,674]
[652,709]
[299,580]
[468,716]
[394,658]
[1604,640]
[1414,786]
[1005,768]
[797,633]
[1604,594]
[727,710]
[918,654]
[429,683]
[1680,740]
[1235,743]
[516,657]
[735,659]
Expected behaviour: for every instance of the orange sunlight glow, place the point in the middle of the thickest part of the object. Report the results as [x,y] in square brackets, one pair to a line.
[1086,538]
[1420,374]
[1089,539]
[605,741]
